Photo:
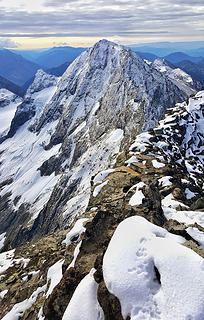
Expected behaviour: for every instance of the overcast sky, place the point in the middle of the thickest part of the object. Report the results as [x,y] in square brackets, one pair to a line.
[44,23]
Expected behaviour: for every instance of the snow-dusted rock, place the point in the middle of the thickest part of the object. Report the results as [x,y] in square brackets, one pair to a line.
[179,77]
[66,131]
[8,105]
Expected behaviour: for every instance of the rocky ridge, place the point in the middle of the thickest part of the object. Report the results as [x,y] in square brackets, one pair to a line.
[71,129]
[179,77]
[9,102]
[158,178]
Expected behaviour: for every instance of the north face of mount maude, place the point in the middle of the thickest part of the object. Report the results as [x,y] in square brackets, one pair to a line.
[101,192]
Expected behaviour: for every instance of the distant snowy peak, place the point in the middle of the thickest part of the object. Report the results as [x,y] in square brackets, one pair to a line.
[41,81]
[8,105]
[36,97]
[7,97]
[177,76]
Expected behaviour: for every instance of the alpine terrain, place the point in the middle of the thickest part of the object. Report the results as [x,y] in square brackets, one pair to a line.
[101,189]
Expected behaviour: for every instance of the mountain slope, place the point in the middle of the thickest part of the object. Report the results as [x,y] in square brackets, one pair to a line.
[8,105]
[138,249]
[177,76]
[104,99]
[195,70]
[15,68]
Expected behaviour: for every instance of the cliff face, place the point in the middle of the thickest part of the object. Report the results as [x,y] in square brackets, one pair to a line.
[137,251]
[67,130]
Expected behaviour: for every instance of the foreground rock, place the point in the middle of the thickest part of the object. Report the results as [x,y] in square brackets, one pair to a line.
[142,233]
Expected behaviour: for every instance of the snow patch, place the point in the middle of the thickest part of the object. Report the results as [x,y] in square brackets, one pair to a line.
[54,275]
[6,260]
[102,175]
[2,239]
[165,181]
[197,235]
[84,296]
[156,164]
[19,309]
[76,252]
[77,230]
[3,293]
[137,198]
[98,188]
[189,194]
[135,250]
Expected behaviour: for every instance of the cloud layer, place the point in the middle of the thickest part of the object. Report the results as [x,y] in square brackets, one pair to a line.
[175,19]
[7,43]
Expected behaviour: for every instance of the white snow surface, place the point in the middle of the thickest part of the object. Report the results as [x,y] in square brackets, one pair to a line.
[22,156]
[157,164]
[2,239]
[76,252]
[6,260]
[98,188]
[102,175]
[84,304]
[136,248]
[77,230]
[19,309]
[7,112]
[3,293]
[137,198]
[165,181]
[54,275]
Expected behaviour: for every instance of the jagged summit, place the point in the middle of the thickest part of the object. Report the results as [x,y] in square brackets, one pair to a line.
[36,97]
[41,81]
[179,77]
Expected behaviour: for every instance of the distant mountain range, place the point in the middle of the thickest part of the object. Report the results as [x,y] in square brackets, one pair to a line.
[194,66]
[161,49]
[20,66]
[52,57]
[15,68]
[6,84]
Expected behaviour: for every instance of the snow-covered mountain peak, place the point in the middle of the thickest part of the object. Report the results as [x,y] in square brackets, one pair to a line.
[41,81]
[105,98]
[5,94]
[177,76]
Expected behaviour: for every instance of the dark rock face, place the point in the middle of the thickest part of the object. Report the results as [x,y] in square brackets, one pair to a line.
[23,114]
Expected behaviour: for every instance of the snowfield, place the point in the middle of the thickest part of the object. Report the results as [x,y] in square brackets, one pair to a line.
[152,274]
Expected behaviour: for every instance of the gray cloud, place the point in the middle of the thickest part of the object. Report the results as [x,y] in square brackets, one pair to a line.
[107,18]
[7,43]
